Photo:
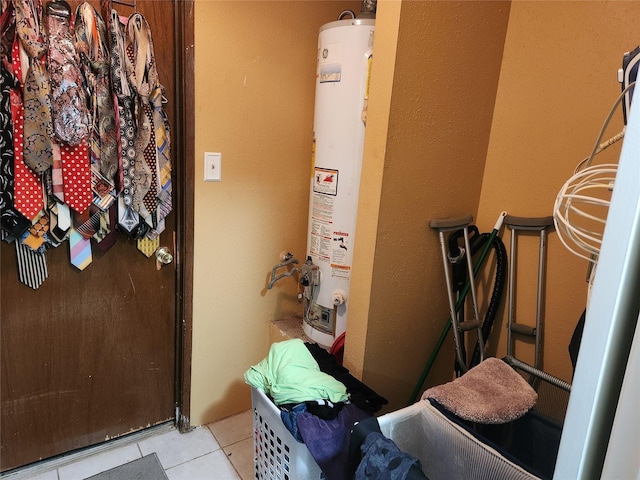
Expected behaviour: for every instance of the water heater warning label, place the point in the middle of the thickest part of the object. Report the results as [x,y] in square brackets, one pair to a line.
[325,181]
[340,255]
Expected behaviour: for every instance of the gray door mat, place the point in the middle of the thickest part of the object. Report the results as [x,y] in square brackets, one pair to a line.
[145,468]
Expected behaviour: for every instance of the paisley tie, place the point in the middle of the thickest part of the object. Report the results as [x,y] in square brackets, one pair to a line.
[70,116]
[38,153]
[91,39]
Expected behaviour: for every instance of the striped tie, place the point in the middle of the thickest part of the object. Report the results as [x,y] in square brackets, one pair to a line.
[32,266]
[79,250]
[57,184]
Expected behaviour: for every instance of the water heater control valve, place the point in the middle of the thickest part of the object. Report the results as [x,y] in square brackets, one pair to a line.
[309,277]
[339,297]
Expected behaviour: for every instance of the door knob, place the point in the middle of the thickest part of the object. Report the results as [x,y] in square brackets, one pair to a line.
[164,256]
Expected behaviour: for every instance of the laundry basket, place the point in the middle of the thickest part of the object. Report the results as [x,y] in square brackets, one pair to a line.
[278,456]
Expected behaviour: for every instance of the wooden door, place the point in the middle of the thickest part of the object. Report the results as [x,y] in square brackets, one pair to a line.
[91,355]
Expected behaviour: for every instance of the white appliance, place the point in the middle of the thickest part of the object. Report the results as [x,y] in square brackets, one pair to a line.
[342,81]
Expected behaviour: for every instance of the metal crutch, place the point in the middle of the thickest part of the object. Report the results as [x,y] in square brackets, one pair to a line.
[448,225]
[541,225]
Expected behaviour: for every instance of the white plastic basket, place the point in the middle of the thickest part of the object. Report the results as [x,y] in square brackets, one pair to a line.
[278,456]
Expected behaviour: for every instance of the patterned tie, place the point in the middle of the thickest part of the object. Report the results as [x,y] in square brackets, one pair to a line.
[150,199]
[76,174]
[152,180]
[70,116]
[27,184]
[107,236]
[38,229]
[12,222]
[148,246]
[87,223]
[79,250]
[127,217]
[32,266]
[38,129]
[57,180]
[91,39]
[141,78]
[163,150]
[58,233]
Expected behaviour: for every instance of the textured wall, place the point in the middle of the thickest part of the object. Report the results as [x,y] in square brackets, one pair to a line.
[446,76]
[557,85]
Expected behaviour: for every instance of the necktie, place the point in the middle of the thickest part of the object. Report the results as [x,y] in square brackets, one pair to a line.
[164,158]
[92,44]
[32,266]
[38,229]
[57,182]
[87,223]
[27,185]
[37,107]
[70,118]
[7,31]
[106,237]
[12,222]
[152,179]
[150,199]
[79,250]
[141,78]
[127,217]
[147,246]
[76,174]
[56,224]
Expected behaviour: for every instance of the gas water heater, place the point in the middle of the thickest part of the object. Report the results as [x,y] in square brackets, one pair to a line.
[342,82]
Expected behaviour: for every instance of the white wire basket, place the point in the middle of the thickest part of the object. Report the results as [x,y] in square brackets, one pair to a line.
[581,208]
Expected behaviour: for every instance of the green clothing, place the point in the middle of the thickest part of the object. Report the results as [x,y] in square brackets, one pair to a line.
[290,374]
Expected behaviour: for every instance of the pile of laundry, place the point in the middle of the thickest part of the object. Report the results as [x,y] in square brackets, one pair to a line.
[319,401]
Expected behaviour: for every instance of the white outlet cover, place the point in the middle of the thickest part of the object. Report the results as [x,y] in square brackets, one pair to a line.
[212,167]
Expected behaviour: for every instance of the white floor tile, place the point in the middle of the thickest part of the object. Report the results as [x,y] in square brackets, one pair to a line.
[174,448]
[99,463]
[233,429]
[213,466]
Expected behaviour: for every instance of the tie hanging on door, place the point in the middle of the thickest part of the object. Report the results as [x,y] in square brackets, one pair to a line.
[152,178]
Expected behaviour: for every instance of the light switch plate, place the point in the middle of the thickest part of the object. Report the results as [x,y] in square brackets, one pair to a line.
[212,167]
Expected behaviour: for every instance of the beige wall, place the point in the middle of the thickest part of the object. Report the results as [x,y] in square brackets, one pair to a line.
[557,85]
[254,68]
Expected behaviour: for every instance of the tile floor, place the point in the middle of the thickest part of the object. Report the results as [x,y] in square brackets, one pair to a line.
[219,451]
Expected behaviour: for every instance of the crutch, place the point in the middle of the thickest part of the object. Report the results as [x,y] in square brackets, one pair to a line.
[463,294]
[459,327]
[516,225]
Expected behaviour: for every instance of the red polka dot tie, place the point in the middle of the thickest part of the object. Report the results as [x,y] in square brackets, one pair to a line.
[76,176]
[27,185]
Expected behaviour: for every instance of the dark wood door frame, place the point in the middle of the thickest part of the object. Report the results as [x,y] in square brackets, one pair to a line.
[184,145]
